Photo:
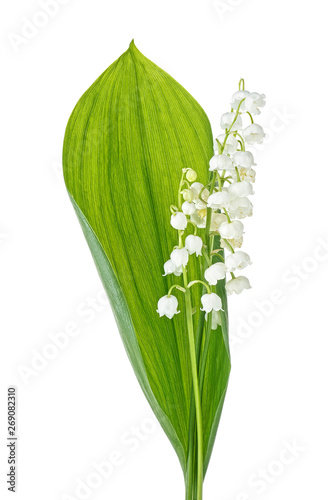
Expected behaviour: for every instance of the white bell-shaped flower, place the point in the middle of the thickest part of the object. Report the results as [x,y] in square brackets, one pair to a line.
[188,208]
[237,285]
[232,230]
[196,187]
[233,242]
[240,207]
[243,159]
[197,219]
[194,244]
[228,118]
[254,102]
[231,145]
[216,319]
[211,302]
[237,260]
[168,306]
[219,199]
[171,268]
[188,195]
[242,188]
[253,134]
[179,221]
[237,97]
[217,220]
[179,257]
[201,195]
[215,273]
[220,162]
[245,174]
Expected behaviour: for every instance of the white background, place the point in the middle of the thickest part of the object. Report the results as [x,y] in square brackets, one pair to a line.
[84,405]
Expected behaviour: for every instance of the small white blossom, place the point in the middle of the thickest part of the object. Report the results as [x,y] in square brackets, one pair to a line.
[219,199]
[188,208]
[230,230]
[217,220]
[194,244]
[240,207]
[179,221]
[233,242]
[254,134]
[168,306]
[211,302]
[237,260]
[231,145]
[237,285]
[237,97]
[215,273]
[198,220]
[245,174]
[254,102]
[179,257]
[228,118]
[220,162]
[243,159]
[216,319]
[242,188]
[188,195]
[196,188]
[171,268]
[201,195]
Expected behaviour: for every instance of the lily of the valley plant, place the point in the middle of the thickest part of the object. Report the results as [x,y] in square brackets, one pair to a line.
[137,147]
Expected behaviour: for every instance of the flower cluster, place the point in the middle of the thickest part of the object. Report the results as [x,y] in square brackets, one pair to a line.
[216,209]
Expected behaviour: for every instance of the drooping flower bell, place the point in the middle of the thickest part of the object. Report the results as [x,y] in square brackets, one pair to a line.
[237,260]
[253,134]
[254,102]
[220,162]
[215,272]
[243,159]
[237,285]
[194,244]
[242,188]
[179,257]
[219,199]
[168,306]
[228,121]
[211,302]
[179,221]
[232,230]
[171,268]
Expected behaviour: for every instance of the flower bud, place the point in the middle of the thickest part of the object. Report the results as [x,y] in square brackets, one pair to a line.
[191,175]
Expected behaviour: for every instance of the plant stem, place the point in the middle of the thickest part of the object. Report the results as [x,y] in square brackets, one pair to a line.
[194,372]
[205,352]
[192,418]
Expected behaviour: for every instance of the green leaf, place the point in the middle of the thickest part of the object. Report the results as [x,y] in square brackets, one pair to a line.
[126,143]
